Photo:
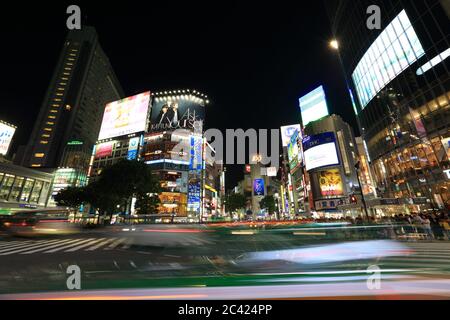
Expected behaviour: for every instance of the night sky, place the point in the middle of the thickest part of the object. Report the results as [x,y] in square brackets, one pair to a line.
[253,60]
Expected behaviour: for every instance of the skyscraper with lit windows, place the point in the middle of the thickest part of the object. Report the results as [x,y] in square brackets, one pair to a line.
[72,110]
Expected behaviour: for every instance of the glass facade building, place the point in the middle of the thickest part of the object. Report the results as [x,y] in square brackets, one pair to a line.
[399,77]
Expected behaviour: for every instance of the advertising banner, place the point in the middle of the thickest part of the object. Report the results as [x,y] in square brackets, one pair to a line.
[330,183]
[320,151]
[179,112]
[133,148]
[104,150]
[6,135]
[258,187]
[287,132]
[313,106]
[125,116]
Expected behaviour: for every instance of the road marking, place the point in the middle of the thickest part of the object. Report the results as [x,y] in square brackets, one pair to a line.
[45,243]
[85,245]
[10,243]
[68,246]
[17,245]
[116,243]
[51,246]
[101,244]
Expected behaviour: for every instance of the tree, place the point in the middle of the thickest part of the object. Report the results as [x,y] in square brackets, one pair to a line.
[147,203]
[120,182]
[114,188]
[72,197]
[235,201]
[268,202]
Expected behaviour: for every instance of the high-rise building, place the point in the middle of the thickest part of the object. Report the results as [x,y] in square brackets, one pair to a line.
[82,83]
[330,155]
[399,80]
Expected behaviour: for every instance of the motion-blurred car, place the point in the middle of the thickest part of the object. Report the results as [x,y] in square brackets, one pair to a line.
[38,223]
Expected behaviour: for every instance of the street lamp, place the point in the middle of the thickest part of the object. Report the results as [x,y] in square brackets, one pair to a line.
[334,44]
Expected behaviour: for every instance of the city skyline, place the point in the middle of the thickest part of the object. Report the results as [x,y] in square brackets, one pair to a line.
[235,69]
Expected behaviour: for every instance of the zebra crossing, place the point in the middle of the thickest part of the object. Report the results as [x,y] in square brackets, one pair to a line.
[49,246]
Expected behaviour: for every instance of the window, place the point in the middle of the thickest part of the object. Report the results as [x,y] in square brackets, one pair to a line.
[57,100]
[36,165]
[45,136]
[25,196]
[59,94]
[6,186]
[50,123]
[43,142]
[39,155]
[55,105]
[51,117]
[48,129]
[16,188]
[35,194]
[53,111]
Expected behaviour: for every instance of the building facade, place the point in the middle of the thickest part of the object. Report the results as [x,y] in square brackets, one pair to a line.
[399,79]
[82,83]
[23,188]
[330,153]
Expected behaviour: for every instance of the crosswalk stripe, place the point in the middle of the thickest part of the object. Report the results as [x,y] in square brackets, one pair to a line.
[12,246]
[10,243]
[68,246]
[84,245]
[101,244]
[116,243]
[51,246]
[43,243]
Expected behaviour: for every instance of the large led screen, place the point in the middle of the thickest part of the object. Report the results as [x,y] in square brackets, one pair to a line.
[393,51]
[177,112]
[294,155]
[320,151]
[313,106]
[125,116]
[330,182]
[6,135]
[287,132]
[258,187]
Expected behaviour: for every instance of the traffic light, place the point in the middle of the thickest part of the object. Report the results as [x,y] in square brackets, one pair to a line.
[353,199]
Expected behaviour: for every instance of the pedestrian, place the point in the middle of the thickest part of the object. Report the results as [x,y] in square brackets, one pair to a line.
[427,228]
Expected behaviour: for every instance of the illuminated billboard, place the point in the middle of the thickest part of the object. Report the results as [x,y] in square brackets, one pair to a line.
[320,151]
[294,155]
[313,106]
[177,112]
[104,150]
[330,183]
[258,187]
[125,116]
[396,48]
[287,132]
[6,135]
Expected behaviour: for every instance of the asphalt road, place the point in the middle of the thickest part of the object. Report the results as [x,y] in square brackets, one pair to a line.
[200,263]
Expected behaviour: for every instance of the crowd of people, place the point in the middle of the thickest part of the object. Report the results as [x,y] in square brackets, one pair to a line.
[434,226]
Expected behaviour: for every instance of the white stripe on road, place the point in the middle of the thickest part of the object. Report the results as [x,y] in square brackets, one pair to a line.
[51,246]
[16,245]
[42,244]
[11,243]
[116,243]
[85,245]
[68,246]
[101,244]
